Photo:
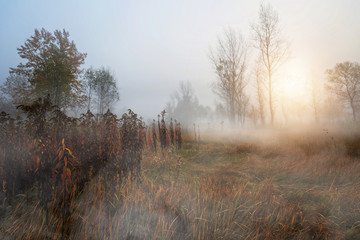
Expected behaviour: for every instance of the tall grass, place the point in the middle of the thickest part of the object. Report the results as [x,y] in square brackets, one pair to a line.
[301,186]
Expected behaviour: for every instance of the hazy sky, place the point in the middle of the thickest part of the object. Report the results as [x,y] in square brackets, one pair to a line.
[152,45]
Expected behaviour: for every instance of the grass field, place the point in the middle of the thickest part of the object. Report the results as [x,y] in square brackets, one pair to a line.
[253,185]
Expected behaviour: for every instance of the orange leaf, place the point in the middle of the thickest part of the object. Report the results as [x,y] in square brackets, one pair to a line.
[37,161]
[61,154]
[58,165]
[70,153]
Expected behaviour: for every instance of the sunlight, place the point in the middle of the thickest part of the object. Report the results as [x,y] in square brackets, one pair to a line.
[292,81]
[180,119]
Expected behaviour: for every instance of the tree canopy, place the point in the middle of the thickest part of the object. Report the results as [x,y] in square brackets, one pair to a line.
[101,89]
[185,106]
[344,82]
[52,66]
[273,49]
[229,61]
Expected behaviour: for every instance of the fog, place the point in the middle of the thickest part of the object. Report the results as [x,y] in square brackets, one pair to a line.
[152,46]
[193,151]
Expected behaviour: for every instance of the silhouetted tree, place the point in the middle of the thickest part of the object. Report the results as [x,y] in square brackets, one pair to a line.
[285,103]
[344,82]
[254,114]
[260,90]
[273,49]
[242,103]
[184,105]
[101,83]
[315,89]
[220,111]
[229,61]
[89,85]
[17,89]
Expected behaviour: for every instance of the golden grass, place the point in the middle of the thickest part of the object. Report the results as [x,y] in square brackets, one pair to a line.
[297,187]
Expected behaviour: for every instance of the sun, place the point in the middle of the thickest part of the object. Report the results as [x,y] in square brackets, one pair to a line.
[292,87]
[292,82]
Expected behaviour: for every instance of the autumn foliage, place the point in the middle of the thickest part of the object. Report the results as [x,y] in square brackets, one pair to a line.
[57,156]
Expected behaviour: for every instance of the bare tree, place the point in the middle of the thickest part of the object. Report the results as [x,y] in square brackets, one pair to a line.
[260,90]
[101,83]
[242,104]
[344,82]
[184,105]
[254,114]
[285,108]
[315,90]
[273,49]
[332,110]
[229,61]
[17,89]
[89,85]
[185,93]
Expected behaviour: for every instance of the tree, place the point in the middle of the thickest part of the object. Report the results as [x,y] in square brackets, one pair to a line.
[332,110]
[254,114]
[285,105]
[6,105]
[52,67]
[220,112]
[242,103]
[273,49]
[315,89]
[102,84]
[260,90]
[184,105]
[229,62]
[17,89]
[89,85]
[344,81]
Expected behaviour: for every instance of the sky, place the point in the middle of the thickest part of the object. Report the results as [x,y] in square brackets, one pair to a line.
[152,45]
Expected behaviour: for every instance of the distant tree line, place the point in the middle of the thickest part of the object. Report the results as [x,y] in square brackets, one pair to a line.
[185,107]
[52,66]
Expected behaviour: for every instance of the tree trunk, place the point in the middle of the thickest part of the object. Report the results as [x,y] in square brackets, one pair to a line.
[261,105]
[270,100]
[89,98]
[353,109]
[232,113]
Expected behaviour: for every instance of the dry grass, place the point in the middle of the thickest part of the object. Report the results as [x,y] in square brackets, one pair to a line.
[299,187]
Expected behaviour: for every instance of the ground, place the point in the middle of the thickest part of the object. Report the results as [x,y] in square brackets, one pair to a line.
[246,185]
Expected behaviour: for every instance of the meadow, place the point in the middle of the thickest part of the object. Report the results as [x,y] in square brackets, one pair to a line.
[243,184]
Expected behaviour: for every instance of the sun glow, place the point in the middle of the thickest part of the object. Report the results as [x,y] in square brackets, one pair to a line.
[293,91]
[292,82]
